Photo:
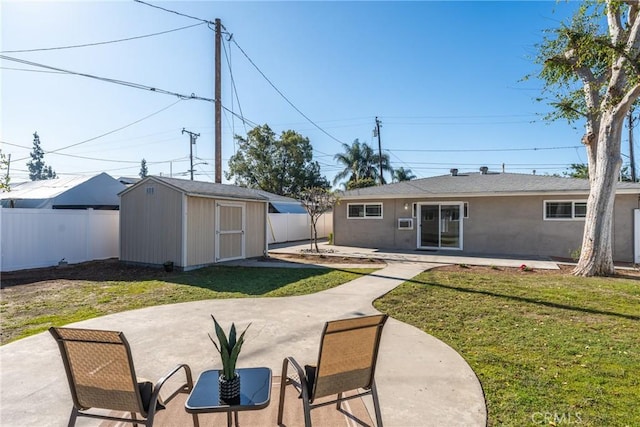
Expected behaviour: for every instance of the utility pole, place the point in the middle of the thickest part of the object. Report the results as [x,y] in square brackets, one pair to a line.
[218,105]
[192,140]
[631,156]
[379,147]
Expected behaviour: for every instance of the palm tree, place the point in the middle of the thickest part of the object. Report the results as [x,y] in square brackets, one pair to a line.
[402,174]
[360,162]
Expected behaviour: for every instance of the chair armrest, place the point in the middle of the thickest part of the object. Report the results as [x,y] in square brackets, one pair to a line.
[297,367]
[302,384]
[184,388]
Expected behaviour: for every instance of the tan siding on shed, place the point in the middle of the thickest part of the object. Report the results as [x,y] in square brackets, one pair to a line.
[256,233]
[201,231]
[151,225]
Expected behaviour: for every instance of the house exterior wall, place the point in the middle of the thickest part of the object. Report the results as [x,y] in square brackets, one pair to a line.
[151,225]
[512,225]
[624,233]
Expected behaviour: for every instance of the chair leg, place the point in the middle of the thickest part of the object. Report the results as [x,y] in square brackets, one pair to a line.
[73,417]
[196,422]
[307,413]
[376,404]
[283,389]
[133,417]
[339,401]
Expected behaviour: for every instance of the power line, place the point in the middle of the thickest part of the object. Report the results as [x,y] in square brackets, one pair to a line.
[108,80]
[32,71]
[233,85]
[101,43]
[108,133]
[204,21]
[483,116]
[281,94]
[484,149]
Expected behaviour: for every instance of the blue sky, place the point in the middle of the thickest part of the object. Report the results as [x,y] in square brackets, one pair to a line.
[443,77]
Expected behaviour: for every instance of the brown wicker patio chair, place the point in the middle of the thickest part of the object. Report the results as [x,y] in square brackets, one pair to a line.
[346,362]
[101,375]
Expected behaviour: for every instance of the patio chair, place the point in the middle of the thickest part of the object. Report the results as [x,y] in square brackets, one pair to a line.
[101,375]
[346,362]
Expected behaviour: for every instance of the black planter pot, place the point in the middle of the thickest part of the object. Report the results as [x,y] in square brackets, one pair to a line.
[168,266]
[229,389]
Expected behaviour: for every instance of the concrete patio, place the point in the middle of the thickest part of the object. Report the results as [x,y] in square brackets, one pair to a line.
[421,380]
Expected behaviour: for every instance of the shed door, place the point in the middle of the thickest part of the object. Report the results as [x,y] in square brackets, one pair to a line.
[230,224]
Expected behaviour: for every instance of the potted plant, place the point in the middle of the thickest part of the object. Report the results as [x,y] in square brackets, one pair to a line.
[229,349]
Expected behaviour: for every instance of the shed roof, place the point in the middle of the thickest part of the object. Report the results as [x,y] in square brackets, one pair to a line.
[98,191]
[206,189]
[478,184]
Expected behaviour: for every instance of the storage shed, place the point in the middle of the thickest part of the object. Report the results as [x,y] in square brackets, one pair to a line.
[190,223]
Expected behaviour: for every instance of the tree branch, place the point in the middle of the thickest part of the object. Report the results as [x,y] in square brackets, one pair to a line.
[615,22]
[627,100]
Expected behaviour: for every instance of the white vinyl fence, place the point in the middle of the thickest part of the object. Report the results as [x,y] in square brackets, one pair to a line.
[289,227]
[31,238]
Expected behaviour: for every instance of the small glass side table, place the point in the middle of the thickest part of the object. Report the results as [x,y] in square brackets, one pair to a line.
[255,393]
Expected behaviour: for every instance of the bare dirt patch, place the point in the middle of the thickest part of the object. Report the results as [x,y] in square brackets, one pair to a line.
[97,271]
[565,270]
[326,259]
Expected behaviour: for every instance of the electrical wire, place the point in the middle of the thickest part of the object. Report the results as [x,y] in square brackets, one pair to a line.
[233,86]
[482,150]
[32,71]
[204,21]
[101,43]
[56,151]
[108,80]
[282,94]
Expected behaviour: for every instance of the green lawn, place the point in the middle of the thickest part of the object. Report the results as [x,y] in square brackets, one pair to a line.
[549,349]
[32,308]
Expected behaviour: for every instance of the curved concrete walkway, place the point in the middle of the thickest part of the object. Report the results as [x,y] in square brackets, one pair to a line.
[421,381]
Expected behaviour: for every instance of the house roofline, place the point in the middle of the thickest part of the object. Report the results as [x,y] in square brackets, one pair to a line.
[189,193]
[423,195]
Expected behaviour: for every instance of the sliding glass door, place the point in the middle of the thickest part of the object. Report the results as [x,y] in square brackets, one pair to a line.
[440,226]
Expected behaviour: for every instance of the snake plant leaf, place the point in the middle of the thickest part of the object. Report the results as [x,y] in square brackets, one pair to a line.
[222,338]
[232,336]
[229,349]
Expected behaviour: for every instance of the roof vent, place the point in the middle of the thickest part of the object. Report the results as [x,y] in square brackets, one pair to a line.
[454,172]
[484,170]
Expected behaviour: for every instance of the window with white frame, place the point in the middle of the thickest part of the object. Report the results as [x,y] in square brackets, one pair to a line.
[364,210]
[565,209]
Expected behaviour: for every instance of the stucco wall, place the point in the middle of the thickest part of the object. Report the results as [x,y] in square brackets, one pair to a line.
[495,226]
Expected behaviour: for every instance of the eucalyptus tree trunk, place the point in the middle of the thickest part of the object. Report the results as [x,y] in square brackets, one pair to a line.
[596,255]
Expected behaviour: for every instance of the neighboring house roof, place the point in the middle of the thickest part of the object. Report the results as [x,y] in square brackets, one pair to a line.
[480,184]
[81,192]
[126,180]
[200,188]
[283,204]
